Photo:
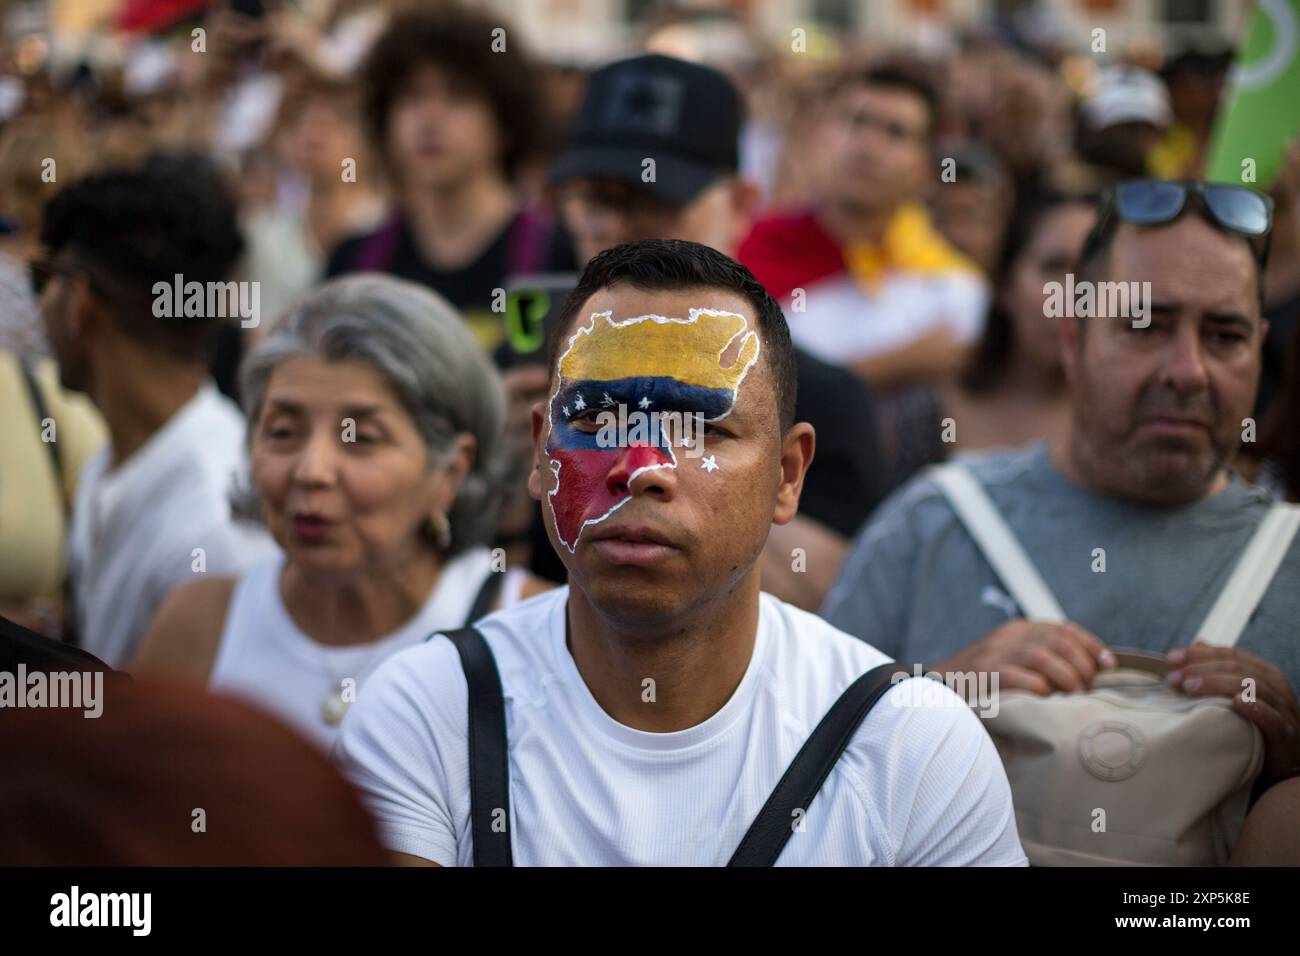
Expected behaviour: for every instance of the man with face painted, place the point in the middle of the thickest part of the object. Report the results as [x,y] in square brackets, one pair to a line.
[653,153]
[652,706]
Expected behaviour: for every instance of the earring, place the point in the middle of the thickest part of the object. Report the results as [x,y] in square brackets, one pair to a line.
[439,528]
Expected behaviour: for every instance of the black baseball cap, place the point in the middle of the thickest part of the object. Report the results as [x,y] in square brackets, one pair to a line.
[684,116]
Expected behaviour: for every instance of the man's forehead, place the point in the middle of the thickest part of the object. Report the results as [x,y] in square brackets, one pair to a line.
[618,306]
[700,345]
[1189,263]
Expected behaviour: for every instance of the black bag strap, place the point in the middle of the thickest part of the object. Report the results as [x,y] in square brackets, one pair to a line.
[489,771]
[42,413]
[487,593]
[489,774]
[768,834]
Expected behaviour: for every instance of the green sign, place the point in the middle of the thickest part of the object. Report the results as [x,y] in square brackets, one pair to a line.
[1260,109]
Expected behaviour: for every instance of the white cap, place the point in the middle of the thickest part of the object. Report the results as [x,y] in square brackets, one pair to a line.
[1127,94]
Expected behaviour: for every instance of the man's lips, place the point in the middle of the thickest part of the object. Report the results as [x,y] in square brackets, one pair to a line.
[641,534]
[1174,423]
[640,546]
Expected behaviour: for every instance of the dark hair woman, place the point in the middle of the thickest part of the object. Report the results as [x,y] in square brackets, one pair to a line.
[1013,390]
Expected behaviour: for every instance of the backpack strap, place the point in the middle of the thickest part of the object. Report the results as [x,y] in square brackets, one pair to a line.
[489,771]
[42,413]
[1251,577]
[377,251]
[767,835]
[994,537]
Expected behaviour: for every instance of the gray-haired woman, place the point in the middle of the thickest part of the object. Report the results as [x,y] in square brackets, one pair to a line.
[375,439]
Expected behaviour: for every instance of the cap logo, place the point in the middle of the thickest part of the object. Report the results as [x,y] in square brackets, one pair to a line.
[650,104]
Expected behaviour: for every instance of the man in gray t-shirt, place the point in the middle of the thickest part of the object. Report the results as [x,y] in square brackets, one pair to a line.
[917,587]
[1133,517]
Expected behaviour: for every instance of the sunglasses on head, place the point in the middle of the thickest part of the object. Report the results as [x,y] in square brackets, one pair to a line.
[1155,202]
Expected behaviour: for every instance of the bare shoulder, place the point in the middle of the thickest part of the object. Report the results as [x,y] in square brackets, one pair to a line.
[182,641]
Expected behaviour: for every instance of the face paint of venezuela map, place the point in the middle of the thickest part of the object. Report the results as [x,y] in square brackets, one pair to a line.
[647,362]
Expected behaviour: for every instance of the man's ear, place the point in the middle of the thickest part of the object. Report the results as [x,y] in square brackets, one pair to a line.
[535,488]
[85,320]
[797,450]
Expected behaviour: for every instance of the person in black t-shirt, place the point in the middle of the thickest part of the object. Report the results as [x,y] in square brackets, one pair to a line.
[453,120]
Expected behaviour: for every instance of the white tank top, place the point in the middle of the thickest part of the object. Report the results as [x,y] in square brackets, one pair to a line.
[264,657]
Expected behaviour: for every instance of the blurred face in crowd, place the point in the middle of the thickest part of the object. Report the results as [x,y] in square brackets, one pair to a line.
[1194,93]
[645,541]
[441,131]
[1157,411]
[341,470]
[1026,112]
[600,213]
[973,217]
[876,144]
[1123,147]
[1050,253]
[315,136]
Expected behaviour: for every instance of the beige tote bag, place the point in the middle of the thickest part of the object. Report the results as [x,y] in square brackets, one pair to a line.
[1130,772]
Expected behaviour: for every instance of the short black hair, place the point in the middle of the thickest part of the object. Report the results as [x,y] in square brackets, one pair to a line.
[130,227]
[458,42]
[900,75]
[671,264]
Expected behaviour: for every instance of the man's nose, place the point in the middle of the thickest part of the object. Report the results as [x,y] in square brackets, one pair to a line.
[870,136]
[1184,362]
[633,473]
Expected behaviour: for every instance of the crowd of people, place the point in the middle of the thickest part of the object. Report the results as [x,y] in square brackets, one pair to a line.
[303,346]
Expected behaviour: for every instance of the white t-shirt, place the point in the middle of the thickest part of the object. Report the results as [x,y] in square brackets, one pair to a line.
[841,323]
[265,657]
[135,527]
[919,785]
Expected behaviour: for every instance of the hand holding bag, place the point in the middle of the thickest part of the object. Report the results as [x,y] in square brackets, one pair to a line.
[1131,771]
